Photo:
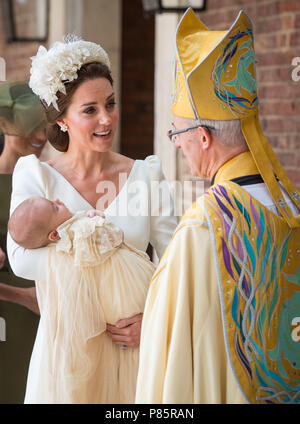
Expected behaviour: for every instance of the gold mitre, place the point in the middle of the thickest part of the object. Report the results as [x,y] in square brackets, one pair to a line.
[215,78]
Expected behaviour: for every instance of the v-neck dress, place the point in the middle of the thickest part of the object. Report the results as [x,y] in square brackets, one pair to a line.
[143,215]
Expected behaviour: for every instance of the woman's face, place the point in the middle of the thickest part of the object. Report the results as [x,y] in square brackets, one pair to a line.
[32,144]
[92,116]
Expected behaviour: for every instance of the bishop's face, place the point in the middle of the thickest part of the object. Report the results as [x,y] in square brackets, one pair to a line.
[190,144]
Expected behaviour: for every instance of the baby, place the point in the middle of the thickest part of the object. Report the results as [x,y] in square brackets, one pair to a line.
[34,222]
[92,278]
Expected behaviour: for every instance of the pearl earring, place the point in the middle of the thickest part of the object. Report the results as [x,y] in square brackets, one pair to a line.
[64,128]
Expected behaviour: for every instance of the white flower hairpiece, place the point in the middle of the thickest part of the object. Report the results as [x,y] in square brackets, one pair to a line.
[51,68]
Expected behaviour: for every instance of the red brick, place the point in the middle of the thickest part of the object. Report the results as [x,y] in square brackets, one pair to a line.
[273,75]
[287,159]
[294,176]
[266,42]
[270,25]
[274,57]
[295,39]
[137,122]
[297,20]
[284,40]
[266,10]
[280,108]
[289,6]
[284,141]
[286,125]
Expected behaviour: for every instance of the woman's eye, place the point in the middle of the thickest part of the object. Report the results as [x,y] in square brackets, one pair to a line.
[111,105]
[89,110]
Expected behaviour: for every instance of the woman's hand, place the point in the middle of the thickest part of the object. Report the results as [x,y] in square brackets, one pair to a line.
[22,296]
[126,331]
[29,300]
[94,212]
[2,258]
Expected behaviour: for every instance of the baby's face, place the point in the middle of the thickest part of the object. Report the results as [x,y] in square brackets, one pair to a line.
[59,213]
[52,212]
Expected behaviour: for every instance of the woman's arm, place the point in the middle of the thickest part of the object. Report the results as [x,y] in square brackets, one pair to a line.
[22,296]
[27,182]
[2,258]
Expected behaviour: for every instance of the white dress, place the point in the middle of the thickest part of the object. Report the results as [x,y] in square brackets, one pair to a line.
[34,178]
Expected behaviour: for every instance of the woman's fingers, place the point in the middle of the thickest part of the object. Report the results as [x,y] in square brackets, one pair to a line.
[128,321]
[2,258]
[121,339]
[129,335]
[118,331]
[94,212]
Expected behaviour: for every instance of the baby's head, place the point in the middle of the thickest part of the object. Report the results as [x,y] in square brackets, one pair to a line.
[33,223]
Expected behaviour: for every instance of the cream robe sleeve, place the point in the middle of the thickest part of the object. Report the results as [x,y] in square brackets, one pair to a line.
[182,352]
[27,182]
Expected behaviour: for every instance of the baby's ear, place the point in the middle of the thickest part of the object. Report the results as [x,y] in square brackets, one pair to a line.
[53,236]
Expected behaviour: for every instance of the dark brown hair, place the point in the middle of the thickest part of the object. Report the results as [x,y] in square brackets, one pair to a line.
[89,71]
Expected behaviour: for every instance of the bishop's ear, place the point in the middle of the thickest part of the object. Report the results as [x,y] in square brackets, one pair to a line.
[53,236]
[206,137]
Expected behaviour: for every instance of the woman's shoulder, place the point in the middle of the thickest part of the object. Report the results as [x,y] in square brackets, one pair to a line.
[121,161]
[28,179]
[153,167]
[30,164]
[30,168]
[151,161]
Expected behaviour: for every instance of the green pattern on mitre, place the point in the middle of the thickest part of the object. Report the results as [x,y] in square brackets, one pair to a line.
[21,112]
[244,79]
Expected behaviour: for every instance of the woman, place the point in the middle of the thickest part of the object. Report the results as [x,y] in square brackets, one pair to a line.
[22,127]
[74,82]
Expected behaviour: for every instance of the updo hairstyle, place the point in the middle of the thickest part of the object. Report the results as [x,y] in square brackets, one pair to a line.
[89,71]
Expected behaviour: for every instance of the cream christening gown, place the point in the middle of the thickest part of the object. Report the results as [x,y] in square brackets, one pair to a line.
[93,278]
[115,376]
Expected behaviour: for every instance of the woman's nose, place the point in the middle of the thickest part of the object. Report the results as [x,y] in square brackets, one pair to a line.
[41,136]
[104,118]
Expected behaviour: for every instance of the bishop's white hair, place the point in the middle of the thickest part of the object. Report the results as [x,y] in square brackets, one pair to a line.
[229,133]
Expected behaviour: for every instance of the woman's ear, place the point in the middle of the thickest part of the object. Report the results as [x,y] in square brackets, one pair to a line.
[63,126]
[60,122]
[53,236]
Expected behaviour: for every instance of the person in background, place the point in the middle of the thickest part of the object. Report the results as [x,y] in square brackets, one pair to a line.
[1,143]
[220,321]
[22,127]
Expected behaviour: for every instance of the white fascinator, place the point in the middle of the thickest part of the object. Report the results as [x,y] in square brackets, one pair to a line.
[52,68]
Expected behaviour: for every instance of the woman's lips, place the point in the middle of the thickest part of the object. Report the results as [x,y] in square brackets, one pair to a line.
[105,135]
[37,145]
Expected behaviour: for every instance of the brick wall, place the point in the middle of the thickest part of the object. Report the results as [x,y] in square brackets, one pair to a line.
[277,41]
[137,120]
